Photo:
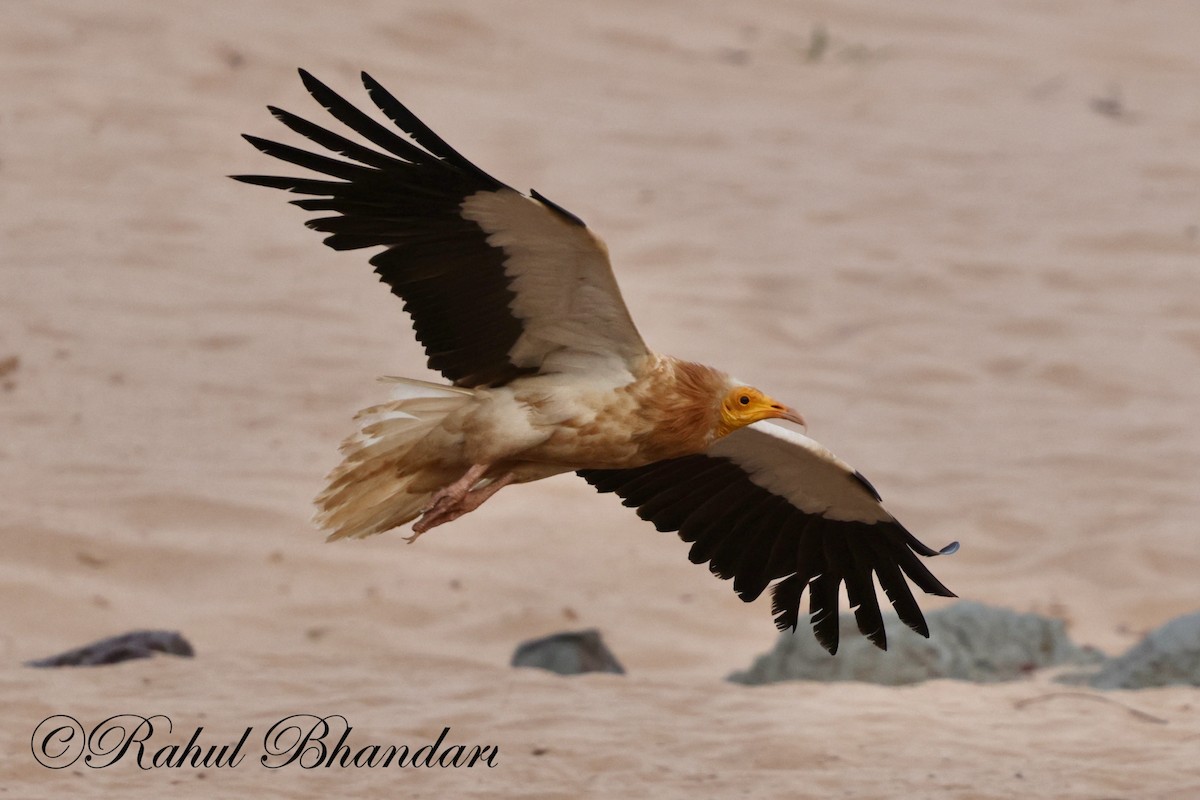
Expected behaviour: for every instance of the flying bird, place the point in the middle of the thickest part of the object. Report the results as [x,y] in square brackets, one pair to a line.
[515,302]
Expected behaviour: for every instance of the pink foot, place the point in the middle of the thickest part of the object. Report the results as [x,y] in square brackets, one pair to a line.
[457,499]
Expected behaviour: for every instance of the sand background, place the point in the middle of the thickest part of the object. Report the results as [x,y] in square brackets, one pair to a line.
[963,238]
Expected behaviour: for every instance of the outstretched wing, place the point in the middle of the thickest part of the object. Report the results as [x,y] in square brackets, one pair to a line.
[765,504]
[498,284]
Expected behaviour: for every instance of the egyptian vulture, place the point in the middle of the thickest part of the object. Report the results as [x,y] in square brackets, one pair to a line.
[516,305]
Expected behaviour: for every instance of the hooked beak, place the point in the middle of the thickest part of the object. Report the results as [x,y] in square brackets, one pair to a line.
[780,411]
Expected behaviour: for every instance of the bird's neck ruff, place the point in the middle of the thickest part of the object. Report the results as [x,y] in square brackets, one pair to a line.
[685,404]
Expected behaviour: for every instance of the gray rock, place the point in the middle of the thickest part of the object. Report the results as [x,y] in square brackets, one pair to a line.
[1166,656]
[967,641]
[569,653]
[114,649]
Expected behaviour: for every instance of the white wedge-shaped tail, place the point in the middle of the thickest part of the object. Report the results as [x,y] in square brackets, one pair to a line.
[385,478]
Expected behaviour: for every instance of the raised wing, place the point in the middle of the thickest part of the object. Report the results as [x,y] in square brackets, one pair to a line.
[765,504]
[498,284]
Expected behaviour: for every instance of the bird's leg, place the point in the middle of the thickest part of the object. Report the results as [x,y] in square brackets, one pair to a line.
[474,499]
[451,502]
[445,498]
[449,495]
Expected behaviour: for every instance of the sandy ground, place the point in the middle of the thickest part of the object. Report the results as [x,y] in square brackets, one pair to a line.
[963,238]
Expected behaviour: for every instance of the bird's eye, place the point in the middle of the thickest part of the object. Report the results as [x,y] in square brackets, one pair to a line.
[744,400]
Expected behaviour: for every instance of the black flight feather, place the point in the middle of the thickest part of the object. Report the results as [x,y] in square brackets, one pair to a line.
[755,537]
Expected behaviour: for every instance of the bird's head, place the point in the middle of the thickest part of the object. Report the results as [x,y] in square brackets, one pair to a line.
[743,405]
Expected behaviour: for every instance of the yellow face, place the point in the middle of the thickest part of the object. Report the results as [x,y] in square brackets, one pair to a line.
[743,405]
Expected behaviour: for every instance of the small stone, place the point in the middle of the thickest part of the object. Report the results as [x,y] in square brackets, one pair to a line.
[115,649]
[569,653]
[967,641]
[1167,656]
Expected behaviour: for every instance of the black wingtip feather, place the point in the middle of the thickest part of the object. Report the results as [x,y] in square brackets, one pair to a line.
[308,80]
[294,185]
[333,167]
[785,602]
[386,190]
[556,208]
[421,133]
[333,141]
[823,594]
[895,587]
[362,124]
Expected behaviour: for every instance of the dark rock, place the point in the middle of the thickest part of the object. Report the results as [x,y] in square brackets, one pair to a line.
[568,654]
[114,649]
[1167,656]
[967,641]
